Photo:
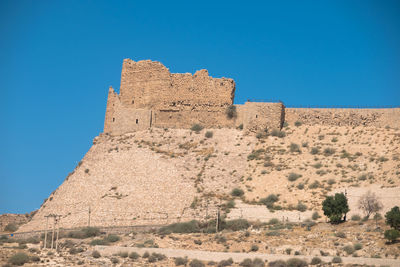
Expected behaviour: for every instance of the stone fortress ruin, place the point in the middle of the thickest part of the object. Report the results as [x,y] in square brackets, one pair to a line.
[151,96]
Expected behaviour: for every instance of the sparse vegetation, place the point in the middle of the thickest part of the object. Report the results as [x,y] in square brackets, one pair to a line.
[231,112]
[298,123]
[96,254]
[181,261]
[196,128]
[293,176]
[314,150]
[392,235]
[19,258]
[316,261]
[196,263]
[209,134]
[237,192]
[11,227]
[277,133]
[269,201]
[294,148]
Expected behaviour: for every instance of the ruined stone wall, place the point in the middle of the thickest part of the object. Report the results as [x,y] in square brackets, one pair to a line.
[150,93]
[120,119]
[149,84]
[258,116]
[344,117]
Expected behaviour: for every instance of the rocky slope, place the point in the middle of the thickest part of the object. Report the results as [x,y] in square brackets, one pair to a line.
[165,175]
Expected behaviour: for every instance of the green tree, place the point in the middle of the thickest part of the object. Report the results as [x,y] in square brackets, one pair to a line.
[335,207]
[392,235]
[393,218]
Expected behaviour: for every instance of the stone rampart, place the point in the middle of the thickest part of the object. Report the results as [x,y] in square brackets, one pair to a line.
[344,116]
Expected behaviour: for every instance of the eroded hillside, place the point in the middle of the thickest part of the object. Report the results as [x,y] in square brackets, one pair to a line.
[161,176]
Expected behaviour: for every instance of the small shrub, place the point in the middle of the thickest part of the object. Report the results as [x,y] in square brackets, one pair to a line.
[295,262]
[184,227]
[181,261]
[112,238]
[349,249]
[277,263]
[277,133]
[314,150]
[315,216]
[34,258]
[314,185]
[336,259]
[331,181]
[294,148]
[146,254]
[358,246]
[254,247]
[196,263]
[74,251]
[231,112]
[293,176]
[301,207]
[11,227]
[298,123]
[196,128]
[316,261]
[114,260]
[96,254]
[151,258]
[300,186]
[269,200]
[123,254]
[227,262]
[236,225]
[355,217]
[99,242]
[209,134]
[237,192]
[19,258]
[273,233]
[91,231]
[273,221]
[329,151]
[134,255]
[391,235]
[340,234]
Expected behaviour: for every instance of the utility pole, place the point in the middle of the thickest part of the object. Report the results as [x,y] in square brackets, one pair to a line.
[58,228]
[45,231]
[217,224]
[54,226]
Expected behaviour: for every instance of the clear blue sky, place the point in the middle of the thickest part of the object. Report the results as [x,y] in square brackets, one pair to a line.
[58,58]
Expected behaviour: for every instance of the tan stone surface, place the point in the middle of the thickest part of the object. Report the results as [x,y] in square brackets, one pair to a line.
[148,177]
[345,116]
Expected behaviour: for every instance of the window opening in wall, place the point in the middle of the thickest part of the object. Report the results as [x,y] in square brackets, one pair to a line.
[256,116]
[137,121]
[133,101]
[113,119]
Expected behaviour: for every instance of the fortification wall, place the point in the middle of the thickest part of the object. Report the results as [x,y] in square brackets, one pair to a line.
[258,116]
[344,116]
[120,119]
[149,84]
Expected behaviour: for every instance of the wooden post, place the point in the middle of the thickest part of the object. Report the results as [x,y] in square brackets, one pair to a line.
[216,225]
[89,217]
[45,232]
